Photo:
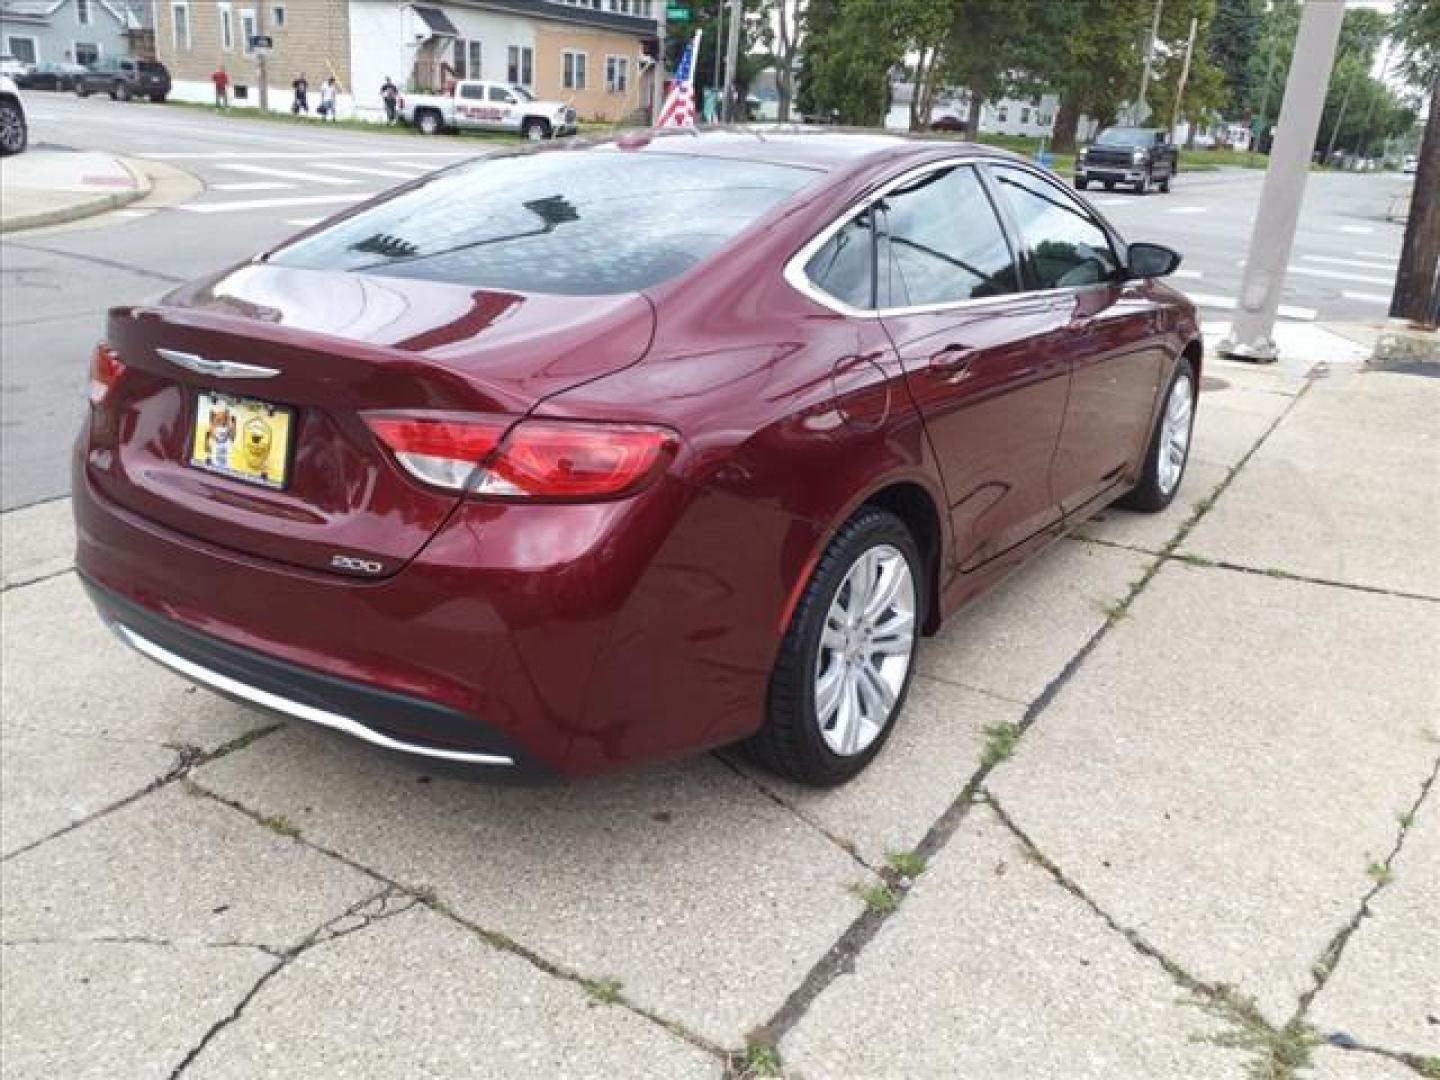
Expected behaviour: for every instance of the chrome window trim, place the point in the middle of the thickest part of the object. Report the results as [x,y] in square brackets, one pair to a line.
[299,710]
[797,279]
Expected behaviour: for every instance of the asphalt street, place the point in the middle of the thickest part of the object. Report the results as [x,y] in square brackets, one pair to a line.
[245,185]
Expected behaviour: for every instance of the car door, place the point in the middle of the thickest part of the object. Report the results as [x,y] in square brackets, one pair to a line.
[1111,334]
[977,355]
[502,108]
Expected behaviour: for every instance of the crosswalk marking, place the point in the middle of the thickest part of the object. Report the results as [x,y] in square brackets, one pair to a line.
[236,205]
[1186,210]
[1192,274]
[427,165]
[1227,303]
[1388,256]
[1362,230]
[1364,279]
[254,185]
[365,170]
[1389,265]
[304,222]
[288,174]
[1366,297]
[301,155]
[1111,202]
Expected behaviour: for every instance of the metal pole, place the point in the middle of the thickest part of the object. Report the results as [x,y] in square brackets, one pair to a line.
[732,57]
[657,89]
[1284,188]
[719,58]
[264,54]
[1184,76]
[1140,107]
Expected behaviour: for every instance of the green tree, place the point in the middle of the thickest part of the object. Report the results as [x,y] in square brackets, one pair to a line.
[988,50]
[850,50]
[1417,280]
[1231,43]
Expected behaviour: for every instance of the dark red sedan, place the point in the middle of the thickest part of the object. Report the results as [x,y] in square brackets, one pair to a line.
[571,459]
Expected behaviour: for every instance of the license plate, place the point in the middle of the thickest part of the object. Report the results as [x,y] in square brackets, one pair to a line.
[242,438]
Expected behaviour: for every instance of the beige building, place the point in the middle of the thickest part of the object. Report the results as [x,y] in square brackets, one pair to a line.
[588,53]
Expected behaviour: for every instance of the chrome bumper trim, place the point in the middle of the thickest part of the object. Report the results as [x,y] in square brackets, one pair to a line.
[226,685]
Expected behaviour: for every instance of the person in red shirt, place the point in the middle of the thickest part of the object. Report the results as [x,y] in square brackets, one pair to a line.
[222,87]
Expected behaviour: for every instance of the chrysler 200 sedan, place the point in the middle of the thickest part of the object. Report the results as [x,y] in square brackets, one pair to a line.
[566,460]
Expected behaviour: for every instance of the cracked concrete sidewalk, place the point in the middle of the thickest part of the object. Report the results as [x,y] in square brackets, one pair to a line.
[1162,806]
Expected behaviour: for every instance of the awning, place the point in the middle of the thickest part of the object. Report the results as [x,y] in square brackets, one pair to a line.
[436,21]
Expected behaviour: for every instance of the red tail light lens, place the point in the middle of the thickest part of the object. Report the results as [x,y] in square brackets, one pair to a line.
[106,367]
[538,460]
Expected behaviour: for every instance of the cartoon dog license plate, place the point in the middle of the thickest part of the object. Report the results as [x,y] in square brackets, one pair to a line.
[243,438]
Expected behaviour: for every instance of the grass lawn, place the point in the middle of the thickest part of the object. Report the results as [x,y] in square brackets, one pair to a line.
[243,113]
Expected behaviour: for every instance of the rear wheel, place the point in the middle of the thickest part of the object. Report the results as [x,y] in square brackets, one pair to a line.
[1142,186]
[1164,185]
[1081,184]
[535,130]
[158,99]
[429,122]
[1169,449]
[13,132]
[845,665]
[81,90]
[121,92]
[1109,185]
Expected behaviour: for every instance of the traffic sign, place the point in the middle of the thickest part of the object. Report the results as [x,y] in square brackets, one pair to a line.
[261,42]
[676,13]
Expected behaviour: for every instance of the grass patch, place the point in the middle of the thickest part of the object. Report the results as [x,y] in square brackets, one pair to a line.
[880,899]
[906,863]
[1279,1055]
[1000,741]
[349,124]
[605,991]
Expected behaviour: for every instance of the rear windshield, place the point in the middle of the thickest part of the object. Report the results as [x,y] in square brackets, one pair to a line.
[573,223]
[150,67]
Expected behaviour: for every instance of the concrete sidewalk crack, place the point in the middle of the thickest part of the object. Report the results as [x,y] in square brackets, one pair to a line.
[96,260]
[51,576]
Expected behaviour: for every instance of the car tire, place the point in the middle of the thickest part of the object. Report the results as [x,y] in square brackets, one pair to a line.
[82,91]
[820,743]
[121,92]
[1109,185]
[1169,449]
[1164,185]
[429,122]
[535,130]
[14,133]
[1081,185]
[158,99]
[1142,186]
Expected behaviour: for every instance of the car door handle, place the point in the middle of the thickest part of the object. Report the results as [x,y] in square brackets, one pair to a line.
[952,358]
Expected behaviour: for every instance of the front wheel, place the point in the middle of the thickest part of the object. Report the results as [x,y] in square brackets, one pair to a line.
[1081,185]
[13,133]
[1142,186]
[846,662]
[158,99]
[121,92]
[1169,448]
[429,122]
[535,130]
[82,91]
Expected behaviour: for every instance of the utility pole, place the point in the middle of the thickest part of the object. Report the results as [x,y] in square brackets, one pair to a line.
[657,89]
[1273,237]
[1141,109]
[1184,76]
[732,57]
[263,56]
[719,58]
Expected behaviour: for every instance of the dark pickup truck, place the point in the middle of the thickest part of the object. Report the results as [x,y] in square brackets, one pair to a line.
[1140,157]
[123,78]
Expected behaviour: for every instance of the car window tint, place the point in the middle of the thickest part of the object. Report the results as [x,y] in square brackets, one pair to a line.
[498,93]
[472,92]
[597,222]
[845,266]
[1065,245]
[945,242]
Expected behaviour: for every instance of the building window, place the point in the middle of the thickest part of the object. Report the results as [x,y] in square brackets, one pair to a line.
[467,59]
[277,16]
[82,12]
[22,49]
[247,31]
[572,70]
[1025,114]
[227,29]
[617,74]
[87,53]
[521,70]
[180,24]
[1004,113]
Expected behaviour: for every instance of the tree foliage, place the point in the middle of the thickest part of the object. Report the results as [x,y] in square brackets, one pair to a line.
[1233,38]
[1417,36]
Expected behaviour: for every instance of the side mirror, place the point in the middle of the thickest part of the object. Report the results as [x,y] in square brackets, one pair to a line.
[1151,260]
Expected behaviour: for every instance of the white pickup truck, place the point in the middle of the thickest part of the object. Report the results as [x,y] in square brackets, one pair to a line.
[475,105]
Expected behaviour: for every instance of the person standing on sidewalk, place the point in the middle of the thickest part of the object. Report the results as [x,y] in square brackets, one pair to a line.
[390,96]
[222,87]
[301,86]
[328,93]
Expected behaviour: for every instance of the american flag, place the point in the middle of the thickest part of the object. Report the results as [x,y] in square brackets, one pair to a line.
[679,107]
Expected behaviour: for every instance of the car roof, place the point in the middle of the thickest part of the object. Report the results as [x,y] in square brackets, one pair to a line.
[821,149]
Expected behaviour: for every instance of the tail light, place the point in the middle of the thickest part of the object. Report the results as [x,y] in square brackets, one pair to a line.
[106,367]
[535,460]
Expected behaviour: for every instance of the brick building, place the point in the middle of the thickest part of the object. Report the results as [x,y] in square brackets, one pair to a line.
[585,52]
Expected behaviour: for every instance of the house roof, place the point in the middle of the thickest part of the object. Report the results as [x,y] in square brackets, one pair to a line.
[128,13]
[557,11]
[436,20]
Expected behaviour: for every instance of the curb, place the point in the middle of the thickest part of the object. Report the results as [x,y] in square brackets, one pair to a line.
[85,208]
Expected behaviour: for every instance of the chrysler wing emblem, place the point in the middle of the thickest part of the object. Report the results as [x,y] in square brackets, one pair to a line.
[217,369]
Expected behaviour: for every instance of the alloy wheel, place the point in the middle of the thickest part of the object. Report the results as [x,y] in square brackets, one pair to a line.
[1175,434]
[865,650]
[12,129]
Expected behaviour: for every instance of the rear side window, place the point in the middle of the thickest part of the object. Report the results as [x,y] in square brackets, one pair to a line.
[845,266]
[573,223]
[1065,246]
[472,91]
[945,242]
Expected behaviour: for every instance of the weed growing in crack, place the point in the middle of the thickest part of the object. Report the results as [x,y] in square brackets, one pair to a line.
[759,1062]
[605,991]
[1428,1067]
[1279,1054]
[906,863]
[1115,610]
[1406,819]
[280,825]
[880,899]
[1381,873]
[1194,560]
[1000,741]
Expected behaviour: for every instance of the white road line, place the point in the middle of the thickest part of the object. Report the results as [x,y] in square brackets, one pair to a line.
[1363,230]
[364,170]
[289,174]
[1186,210]
[1336,275]
[1227,303]
[304,222]
[302,155]
[1390,266]
[255,185]
[131,213]
[1388,256]
[237,205]
[1194,275]
[1111,202]
[1366,297]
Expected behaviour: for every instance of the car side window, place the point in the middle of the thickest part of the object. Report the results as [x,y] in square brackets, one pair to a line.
[1065,245]
[472,92]
[844,266]
[945,243]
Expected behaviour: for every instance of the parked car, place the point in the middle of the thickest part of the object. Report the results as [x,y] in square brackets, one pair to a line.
[13,68]
[123,78]
[660,444]
[474,105]
[14,127]
[1411,165]
[52,75]
[948,122]
[1140,157]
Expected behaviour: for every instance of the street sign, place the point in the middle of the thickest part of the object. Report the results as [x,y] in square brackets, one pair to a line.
[261,42]
[676,13]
